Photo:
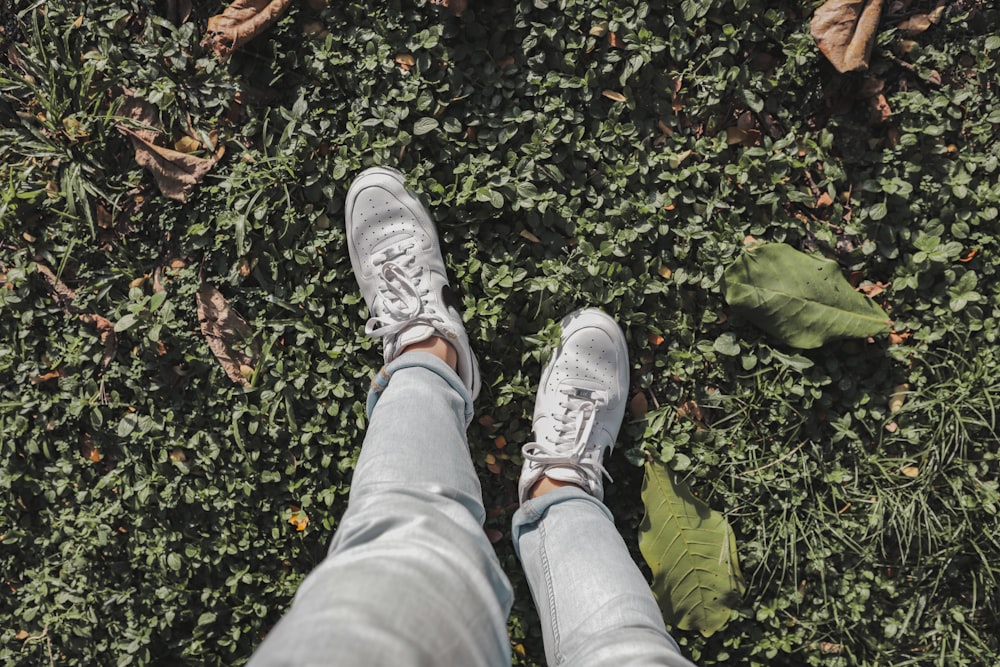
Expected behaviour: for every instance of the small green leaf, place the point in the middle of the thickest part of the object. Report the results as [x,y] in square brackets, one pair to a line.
[125,322]
[424,125]
[692,553]
[726,344]
[802,300]
[127,424]
[157,300]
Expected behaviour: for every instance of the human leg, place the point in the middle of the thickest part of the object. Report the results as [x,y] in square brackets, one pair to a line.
[594,603]
[410,578]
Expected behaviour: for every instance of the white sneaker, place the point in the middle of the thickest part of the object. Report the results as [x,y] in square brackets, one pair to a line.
[398,263]
[580,405]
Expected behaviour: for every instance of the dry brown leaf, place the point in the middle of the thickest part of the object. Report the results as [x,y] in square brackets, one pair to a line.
[240,22]
[639,405]
[176,173]
[45,377]
[874,289]
[880,110]
[910,471]
[88,449]
[106,329]
[904,46]
[405,62]
[898,338]
[525,234]
[845,30]
[675,84]
[613,95]
[228,334]
[824,200]
[893,136]
[146,117]
[64,295]
[692,411]
[735,135]
[314,29]
[104,218]
[919,23]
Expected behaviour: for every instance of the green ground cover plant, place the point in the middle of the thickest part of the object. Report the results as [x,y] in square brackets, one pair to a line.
[155,508]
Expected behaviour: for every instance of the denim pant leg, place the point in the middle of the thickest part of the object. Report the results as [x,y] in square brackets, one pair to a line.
[411,579]
[596,607]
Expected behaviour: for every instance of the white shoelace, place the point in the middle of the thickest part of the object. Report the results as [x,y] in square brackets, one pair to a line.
[404,300]
[569,449]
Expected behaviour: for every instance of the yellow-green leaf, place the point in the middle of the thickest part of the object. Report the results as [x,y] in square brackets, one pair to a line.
[802,300]
[692,552]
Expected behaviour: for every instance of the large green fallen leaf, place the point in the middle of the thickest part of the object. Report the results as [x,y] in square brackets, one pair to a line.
[692,553]
[802,300]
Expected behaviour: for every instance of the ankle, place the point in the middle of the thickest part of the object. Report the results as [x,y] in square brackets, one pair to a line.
[544,485]
[439,347]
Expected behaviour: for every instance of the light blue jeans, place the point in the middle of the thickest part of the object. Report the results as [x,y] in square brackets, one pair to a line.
[411,578]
